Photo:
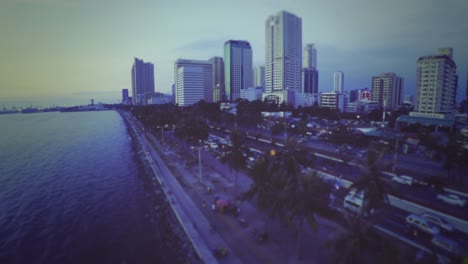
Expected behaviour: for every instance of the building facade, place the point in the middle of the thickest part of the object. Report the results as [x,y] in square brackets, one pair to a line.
[309,81]
[142,80]
[436,83]
[338,82]
[387,90]
[259,76]
[252,93]
[237,68]
[309,59]
[332,100]
[193,81]
[219,94]
[283,52]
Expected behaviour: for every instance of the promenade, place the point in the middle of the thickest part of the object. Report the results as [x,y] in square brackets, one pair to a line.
[179,175]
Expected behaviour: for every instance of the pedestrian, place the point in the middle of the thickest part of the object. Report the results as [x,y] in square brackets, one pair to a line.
[213,206]
[204,204]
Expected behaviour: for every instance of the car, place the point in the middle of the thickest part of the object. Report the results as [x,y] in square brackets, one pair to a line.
[417,223]
[403,179]
[452,199]
[438,221]
[447,244]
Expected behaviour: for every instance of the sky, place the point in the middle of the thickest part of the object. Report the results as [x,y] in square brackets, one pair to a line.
[59,52]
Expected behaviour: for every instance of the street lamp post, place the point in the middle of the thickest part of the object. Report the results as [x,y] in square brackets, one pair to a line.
[199,164]
[395,154]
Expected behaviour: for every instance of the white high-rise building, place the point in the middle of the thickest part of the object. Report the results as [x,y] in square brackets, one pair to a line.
[338,81]
[193,81]
[436,83]
[237,68]
[259,76]
[283,52]
[309,59]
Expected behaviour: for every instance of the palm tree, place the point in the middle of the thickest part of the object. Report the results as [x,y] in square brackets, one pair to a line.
[308,196]
[371,182]
[236,156]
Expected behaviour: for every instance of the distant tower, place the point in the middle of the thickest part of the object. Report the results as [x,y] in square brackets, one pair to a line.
[338,81]
[237,68]
[124,96]
[92,101]
[309,59]
[142,80]
[436,83]
[259,76]
[283,52]
[218,79]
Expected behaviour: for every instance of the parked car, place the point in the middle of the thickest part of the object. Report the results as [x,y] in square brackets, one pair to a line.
[452,199]
[403,179]
[438,221]
[447,244]
[418,223]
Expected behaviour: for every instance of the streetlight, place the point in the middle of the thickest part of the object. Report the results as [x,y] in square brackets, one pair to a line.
[396,152]
[199,162]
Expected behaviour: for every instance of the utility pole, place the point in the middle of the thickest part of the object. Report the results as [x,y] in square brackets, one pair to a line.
[395,154]
[199,164]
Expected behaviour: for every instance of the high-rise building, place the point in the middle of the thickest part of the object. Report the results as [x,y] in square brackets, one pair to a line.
[283,52]
[436,83]
[309,59]
[237,68]
[259,76]
[124,96]
[387,90]
[219,93]
[338,81]
[193,81]
[309,81]
[142,80]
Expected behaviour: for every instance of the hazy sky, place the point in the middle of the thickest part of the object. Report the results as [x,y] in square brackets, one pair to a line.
[64,51]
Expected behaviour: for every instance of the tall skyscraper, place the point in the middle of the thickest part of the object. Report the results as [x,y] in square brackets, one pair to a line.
[436,83]
[338,82]
[309,80]
[142,80]
[283,52]
[237,68]
[309,59]
[193,81]
[387,90]
[219,94]
[259,76]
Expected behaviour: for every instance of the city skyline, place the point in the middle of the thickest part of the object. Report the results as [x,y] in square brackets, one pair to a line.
[55,49]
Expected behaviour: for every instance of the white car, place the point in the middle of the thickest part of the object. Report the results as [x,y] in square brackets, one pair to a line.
[438,221]
[452,199]
[403,179]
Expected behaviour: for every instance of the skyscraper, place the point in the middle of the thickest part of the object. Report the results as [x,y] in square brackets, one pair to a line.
[387,90]
[436,83]
[310,80]
[193,81]
[338,81]
[219,94]
[283,52]
[142,80]
[259,76]
[237,67]
[309,59]
[124,96]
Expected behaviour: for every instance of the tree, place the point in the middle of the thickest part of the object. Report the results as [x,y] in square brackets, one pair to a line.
[236,156]
[371,182]
[307,196]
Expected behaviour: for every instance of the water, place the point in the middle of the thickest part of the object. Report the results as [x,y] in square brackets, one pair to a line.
[69,191]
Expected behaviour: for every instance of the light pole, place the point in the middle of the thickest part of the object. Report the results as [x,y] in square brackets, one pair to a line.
[199,163]
[396,153]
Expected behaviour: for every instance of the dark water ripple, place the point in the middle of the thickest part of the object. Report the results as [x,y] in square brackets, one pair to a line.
[69,191]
